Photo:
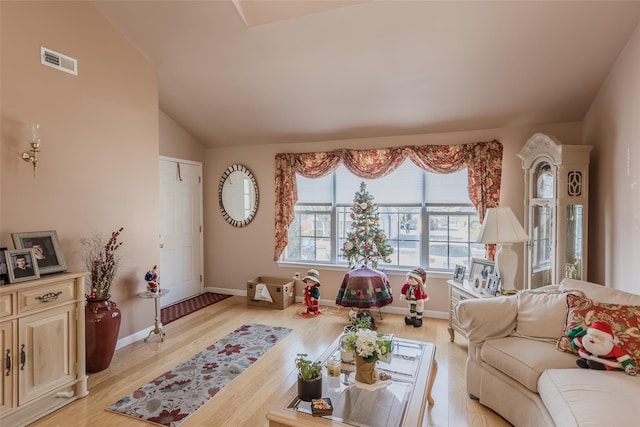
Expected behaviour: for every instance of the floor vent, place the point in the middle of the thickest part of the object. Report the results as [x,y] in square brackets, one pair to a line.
[58,61]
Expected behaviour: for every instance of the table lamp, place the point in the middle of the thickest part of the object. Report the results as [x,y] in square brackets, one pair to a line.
[501,226]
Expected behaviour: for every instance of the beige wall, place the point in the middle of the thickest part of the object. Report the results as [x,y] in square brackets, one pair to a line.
[612,126]
[177,142]
[235,255]
[99,162]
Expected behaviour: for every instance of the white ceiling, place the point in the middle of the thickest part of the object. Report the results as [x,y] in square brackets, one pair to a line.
[373,68]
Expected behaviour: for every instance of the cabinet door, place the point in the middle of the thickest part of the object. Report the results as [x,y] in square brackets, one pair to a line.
[48,342]
[8,374]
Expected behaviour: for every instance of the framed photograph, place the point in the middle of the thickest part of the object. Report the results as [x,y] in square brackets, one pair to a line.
[481,268]
[479,283]
[458,273]
[493,285]
[21,265]
[46,247]
[4,275]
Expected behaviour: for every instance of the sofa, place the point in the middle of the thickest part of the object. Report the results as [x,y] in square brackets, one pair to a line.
[521,363]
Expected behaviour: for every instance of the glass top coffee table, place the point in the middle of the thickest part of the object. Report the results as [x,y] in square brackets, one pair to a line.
[400,403]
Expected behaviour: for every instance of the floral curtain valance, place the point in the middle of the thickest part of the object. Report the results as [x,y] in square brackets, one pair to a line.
[483,160]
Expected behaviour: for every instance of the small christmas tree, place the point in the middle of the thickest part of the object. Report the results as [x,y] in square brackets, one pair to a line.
[366,242]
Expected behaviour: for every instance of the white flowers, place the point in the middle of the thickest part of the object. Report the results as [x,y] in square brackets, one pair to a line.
[368,344]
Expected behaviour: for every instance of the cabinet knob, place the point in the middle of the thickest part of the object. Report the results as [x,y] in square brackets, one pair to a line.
[50,296]
[23,357]
[7,362]
[161,245]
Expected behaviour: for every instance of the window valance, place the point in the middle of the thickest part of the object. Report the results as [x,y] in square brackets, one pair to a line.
[483,160]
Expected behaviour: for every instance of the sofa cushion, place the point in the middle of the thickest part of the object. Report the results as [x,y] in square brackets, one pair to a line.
[600,293]
[623,319]
[541,314]
[586,397]
[524,359]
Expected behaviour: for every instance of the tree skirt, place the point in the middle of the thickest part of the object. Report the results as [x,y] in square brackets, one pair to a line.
[173,396]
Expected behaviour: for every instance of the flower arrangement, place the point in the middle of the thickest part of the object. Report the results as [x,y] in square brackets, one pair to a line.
[368,344]
[102,261]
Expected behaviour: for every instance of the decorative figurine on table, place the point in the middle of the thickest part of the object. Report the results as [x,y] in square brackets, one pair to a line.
[312,292]
[153,280]
[415,292]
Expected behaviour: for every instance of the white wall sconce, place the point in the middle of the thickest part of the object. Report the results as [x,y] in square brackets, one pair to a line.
[501,226]
[32,154]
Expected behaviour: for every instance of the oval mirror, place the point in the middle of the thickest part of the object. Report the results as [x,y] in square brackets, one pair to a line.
[238,195]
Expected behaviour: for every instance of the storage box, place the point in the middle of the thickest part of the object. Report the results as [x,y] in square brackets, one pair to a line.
[282,291]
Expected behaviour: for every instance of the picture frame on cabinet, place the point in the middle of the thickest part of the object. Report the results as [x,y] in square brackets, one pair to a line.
[481,268]
[4,271]
[458,273]
[46,247]
[21,265]
[493,285]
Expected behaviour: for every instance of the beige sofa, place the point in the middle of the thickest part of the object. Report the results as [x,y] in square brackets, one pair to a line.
[514,367]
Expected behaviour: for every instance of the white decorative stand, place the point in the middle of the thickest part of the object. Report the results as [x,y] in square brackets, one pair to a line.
[157,327]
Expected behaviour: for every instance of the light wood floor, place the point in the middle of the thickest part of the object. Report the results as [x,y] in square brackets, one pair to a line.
[247,400]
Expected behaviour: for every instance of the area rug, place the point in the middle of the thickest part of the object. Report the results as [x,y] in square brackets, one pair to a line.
[180,309]
[173,396]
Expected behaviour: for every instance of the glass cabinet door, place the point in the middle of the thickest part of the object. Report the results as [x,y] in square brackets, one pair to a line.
[541,246]
[574,257]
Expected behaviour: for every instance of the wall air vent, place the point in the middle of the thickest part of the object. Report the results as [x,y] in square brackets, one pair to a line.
[58,61]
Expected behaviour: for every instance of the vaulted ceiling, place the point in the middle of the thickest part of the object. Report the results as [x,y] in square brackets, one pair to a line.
[254,72]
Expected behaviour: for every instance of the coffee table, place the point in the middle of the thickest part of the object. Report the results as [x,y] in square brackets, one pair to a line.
[401,403]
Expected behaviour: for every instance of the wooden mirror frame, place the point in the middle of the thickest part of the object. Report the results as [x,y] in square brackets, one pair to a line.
[225,180]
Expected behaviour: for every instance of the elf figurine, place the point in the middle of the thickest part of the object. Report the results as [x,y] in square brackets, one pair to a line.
[312,292]
[415,291]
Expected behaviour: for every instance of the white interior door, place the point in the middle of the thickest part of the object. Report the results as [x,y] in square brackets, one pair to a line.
[180,229]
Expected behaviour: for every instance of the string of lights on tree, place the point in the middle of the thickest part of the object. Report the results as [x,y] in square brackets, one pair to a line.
[366,242]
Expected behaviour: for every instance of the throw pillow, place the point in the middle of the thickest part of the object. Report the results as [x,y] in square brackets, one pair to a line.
[623,319]
[541,314]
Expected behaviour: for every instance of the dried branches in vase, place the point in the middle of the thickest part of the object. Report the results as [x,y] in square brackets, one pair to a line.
[102,260]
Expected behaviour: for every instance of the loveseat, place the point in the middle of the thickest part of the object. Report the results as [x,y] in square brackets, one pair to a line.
[521,364]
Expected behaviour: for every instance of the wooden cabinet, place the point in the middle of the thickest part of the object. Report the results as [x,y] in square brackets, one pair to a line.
[556,210]
[43,347]
[460,292]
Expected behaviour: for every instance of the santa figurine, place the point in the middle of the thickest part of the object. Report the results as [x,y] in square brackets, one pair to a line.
[415,292]
[598,349]
[153,280]
[312,292]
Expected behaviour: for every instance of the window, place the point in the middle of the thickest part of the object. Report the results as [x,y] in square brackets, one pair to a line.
[428,218]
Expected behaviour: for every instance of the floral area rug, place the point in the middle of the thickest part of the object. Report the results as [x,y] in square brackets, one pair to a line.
[173,396]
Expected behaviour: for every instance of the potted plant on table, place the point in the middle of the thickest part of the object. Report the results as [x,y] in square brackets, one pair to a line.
[102,316]
[309,378]
[368,347]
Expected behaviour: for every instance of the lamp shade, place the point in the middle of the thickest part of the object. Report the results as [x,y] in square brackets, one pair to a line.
[500,225]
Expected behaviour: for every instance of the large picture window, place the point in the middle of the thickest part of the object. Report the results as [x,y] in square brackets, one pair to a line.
[428,217]
[483,161]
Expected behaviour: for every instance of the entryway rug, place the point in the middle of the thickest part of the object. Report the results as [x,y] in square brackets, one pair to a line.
[173,396]
[180,309]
